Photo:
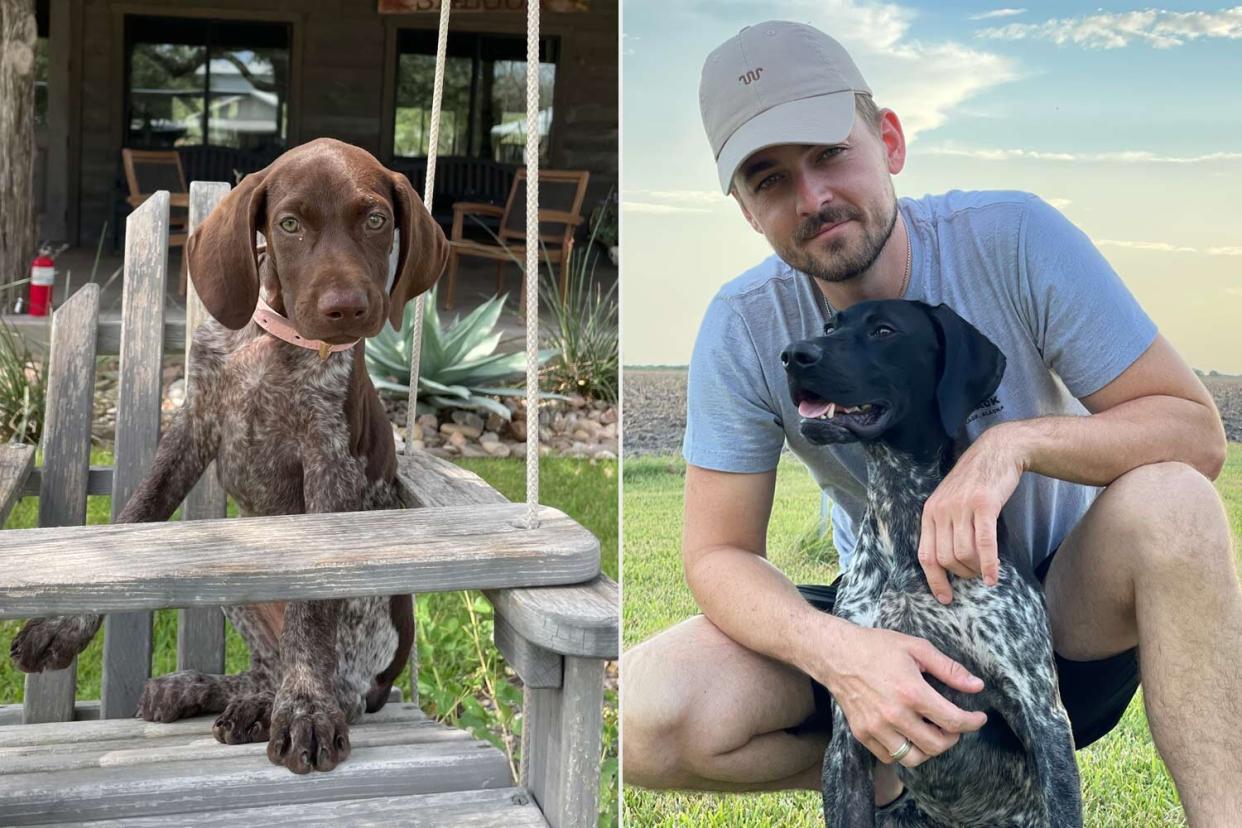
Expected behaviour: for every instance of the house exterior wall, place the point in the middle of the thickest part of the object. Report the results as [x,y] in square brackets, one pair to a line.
[343,59]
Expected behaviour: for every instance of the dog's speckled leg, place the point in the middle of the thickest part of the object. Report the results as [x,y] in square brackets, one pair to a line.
[848,781]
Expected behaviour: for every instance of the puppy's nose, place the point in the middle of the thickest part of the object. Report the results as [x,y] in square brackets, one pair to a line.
[343,304]
[801,354]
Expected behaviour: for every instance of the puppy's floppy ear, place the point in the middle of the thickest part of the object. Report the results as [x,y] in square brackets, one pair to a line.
[222,255]
[424,250]
[972,367]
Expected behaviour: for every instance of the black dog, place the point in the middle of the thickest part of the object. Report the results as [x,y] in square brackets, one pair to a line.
[902,377]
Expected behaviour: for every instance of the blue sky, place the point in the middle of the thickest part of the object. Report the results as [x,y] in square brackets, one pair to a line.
[1128,118]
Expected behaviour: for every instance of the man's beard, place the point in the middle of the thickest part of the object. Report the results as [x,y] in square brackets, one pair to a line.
[843,264]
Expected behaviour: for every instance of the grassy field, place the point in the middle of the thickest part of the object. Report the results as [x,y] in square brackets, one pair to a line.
[1125,784]
[462,679]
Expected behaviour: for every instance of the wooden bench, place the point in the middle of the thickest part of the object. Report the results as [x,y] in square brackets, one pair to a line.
[69,761]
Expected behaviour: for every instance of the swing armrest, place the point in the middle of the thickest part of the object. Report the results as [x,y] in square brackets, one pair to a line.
[578,620]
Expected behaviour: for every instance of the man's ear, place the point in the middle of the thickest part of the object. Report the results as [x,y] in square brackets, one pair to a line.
[971,367]
[423,252]
[221,253]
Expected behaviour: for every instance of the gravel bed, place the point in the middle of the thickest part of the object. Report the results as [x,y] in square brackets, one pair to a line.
[577,427]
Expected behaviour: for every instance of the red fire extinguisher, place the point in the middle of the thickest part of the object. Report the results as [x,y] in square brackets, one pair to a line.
[42,277]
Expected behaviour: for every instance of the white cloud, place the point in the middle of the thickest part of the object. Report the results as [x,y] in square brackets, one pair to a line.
[1166,247]
[1119,156]
[700,198]
[658,209]
[997,13]
[1162,247]
[1159,28]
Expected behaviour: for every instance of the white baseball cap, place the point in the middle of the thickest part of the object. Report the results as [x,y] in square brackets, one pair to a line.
[776,83]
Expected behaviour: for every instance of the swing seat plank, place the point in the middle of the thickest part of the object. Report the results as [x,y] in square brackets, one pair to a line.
[235,561]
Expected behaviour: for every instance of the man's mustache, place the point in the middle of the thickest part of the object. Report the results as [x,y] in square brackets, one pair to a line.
[809,227]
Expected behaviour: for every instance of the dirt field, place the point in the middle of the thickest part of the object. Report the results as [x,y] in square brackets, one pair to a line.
[655,409]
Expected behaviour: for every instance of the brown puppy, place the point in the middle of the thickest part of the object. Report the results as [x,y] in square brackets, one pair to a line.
[289,415]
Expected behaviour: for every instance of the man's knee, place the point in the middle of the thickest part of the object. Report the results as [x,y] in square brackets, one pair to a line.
[653,717]
[1174,523]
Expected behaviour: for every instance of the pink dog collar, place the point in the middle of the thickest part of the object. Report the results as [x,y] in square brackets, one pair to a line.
[281,328]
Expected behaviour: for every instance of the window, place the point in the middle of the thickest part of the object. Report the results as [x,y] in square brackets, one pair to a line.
[483,113]
[190,82]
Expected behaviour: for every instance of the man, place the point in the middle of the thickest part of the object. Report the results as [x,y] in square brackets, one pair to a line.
[1143,576]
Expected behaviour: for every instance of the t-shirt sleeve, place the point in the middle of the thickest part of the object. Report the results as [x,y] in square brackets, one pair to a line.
[1086,323]
[730,417]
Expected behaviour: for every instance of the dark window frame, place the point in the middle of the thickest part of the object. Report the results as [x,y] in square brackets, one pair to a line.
[152,28]
[479,47]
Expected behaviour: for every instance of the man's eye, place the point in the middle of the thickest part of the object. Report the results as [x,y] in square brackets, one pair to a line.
[289,225]
[830,152]
[767,182]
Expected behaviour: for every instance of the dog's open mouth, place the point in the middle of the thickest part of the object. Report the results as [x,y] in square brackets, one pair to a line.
[827,421]
[813,408]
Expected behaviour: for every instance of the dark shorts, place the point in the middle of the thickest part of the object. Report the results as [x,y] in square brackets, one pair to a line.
[1095,693]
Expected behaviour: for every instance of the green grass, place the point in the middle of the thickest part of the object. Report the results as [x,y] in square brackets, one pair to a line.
[462,679]
[1125,784]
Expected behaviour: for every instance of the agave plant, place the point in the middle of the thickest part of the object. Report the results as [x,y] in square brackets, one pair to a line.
[459,366]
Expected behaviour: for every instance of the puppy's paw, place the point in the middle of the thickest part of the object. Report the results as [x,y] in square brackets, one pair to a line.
[309,731]
[177,696]
[245,719]
[52,643]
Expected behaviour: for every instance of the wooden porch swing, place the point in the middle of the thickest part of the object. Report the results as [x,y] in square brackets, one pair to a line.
[72,762]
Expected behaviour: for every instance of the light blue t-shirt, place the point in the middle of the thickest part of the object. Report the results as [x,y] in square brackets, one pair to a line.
[1009,264]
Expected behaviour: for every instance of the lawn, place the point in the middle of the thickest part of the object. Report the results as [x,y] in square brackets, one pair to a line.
[1124,781]
[462,679]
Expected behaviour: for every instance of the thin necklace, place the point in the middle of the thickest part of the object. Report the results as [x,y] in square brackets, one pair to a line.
[905,280]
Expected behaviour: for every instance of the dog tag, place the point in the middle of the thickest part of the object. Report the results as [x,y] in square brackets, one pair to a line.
[324,350]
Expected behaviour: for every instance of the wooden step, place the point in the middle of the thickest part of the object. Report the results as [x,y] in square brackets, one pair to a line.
[499,808]
[121,769]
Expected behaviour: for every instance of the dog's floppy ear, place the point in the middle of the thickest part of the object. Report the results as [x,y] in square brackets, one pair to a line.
[222,253]
[424,250]
[972,370]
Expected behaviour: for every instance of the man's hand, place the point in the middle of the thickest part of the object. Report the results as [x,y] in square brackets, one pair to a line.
[959,519]
[877,678]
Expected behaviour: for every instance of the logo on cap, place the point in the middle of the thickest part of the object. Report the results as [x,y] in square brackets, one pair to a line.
[751,76]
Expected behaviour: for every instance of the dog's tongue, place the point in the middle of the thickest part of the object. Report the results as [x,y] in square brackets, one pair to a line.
[811,410]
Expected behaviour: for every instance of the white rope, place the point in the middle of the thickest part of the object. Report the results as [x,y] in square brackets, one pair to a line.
[429,189]
[532,263]
[532,317]
[416,349]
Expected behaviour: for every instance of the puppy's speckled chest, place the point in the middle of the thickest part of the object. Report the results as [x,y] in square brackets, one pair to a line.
[279,417]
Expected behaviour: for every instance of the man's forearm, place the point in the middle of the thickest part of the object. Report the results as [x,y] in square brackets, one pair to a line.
[1098,449]
[750,601]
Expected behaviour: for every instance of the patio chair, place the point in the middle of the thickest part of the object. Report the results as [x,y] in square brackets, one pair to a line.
[65,761]
[147,171]
[562,190]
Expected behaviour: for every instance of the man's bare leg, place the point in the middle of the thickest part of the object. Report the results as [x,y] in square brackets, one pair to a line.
[701,712]
[1152,564]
